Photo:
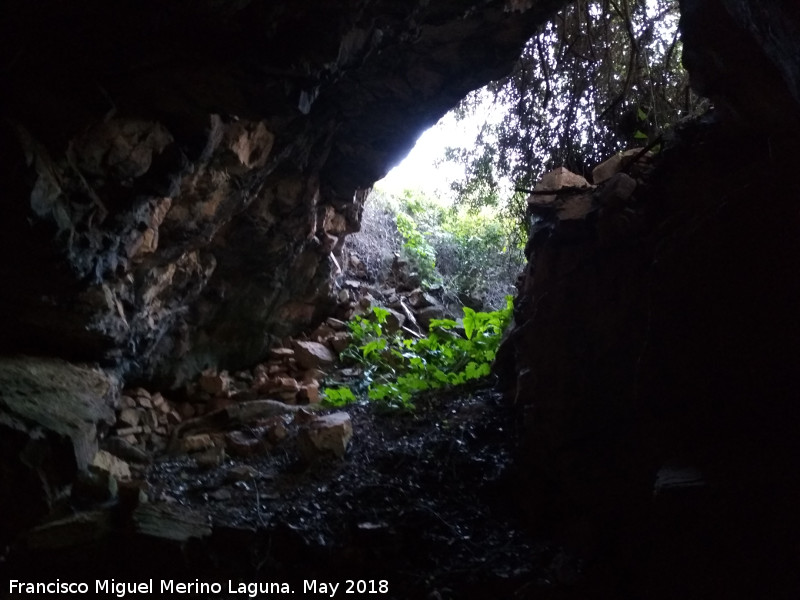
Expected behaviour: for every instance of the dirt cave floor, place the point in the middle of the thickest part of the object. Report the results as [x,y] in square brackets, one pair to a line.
[421,500]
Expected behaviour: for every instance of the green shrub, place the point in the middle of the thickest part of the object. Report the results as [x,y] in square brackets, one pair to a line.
[338,396]
[396,368]
[477,255]
[416,249]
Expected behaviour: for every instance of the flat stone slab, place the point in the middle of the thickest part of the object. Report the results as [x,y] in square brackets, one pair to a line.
[672,477]
[58,397]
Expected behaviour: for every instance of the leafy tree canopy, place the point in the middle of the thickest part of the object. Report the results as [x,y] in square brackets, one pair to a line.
[601,76]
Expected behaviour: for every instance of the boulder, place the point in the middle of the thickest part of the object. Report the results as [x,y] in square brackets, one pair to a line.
[79,529]
[244,443]
[394,320]
[309,393]
[91,488]
[242,473]
[575,208]
[50,415]
[322,333]
[555,180]
[276,430]
[617,191]
[123,449]
[215,384]
[325,435]
[336,324]
[419,299]
[126,401]
[129,417]
[106,462]
[427,314]
[197,442]
[281,353]
[170,522]
[607,169]
[610,167]
[312,355]
[340,341]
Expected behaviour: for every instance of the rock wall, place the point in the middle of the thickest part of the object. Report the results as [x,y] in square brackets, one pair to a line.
[52,415]
[657,338]
[743,55]
[178,179]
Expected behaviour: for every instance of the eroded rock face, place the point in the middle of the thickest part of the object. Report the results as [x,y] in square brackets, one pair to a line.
[743,54]
[659,327]
[52,414]
[177,179]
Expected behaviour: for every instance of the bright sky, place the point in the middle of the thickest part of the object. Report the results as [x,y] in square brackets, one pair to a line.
[419,170]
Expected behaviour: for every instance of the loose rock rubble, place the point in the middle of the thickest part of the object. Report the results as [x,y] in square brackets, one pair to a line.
[272,406]
[144,419]
[292,376]
[398,290]
[417,499]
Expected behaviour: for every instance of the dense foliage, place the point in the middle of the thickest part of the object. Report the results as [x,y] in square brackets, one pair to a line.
[468,254]
[395,368]
[601,76]
[417,248]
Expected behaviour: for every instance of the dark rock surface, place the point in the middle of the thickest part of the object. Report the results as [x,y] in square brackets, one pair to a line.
[667,332]
[52,414]
[177,177]
[663,329]
[743,54]
[421,501]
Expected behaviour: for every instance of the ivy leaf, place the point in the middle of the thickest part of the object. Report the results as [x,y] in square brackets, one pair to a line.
[472,370]
[440,376]
[379,392]
[381,314]
[442,323]
[395,369]
[338,396]
[469,322]
[458,378]
[373,346]
[641,114]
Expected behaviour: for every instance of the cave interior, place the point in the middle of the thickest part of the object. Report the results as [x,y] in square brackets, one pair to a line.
[178,180]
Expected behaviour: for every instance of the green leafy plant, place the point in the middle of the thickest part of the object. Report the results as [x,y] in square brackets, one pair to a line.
[477,258]
[467,252]
[397,368]
[338,396]
[416,247]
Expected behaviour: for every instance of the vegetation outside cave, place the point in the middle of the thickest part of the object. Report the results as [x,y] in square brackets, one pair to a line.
[468,257]
[602,76]
[445,278]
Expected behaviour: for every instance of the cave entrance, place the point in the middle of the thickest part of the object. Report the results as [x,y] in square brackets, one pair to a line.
[188,235]
[440,470]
